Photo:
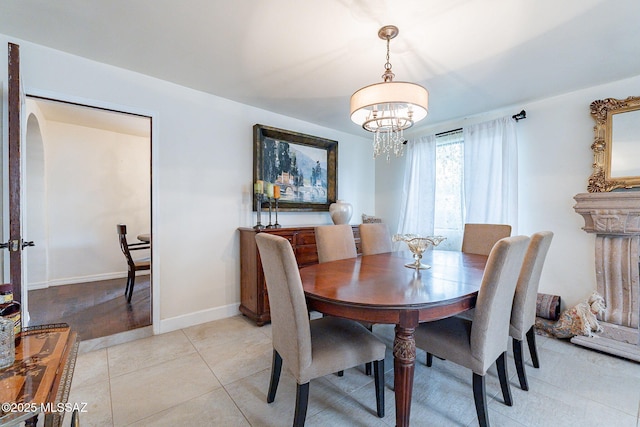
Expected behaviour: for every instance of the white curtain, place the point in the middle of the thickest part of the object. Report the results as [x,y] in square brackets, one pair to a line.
[491,173]
[418,196]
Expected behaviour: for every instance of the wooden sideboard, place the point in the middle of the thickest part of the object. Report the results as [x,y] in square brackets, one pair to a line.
[254,301]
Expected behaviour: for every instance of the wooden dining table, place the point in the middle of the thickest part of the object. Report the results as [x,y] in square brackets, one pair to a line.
[380,289]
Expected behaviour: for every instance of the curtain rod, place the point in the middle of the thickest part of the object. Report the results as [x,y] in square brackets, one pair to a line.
[517,117]
[448,132]
[521,115]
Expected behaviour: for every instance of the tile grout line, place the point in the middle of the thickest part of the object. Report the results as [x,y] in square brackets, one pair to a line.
[110,393]
[222,386]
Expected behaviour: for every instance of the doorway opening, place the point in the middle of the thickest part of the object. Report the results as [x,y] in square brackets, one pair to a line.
[86,170]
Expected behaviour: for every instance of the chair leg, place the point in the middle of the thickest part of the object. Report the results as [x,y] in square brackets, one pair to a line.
[429,359]
[480,398]
[367,366]
[302,400]
[126,289]
[519,359]
[276,368]
[378,372]
[133,281]
[503,375]
[531,340]
[75,419]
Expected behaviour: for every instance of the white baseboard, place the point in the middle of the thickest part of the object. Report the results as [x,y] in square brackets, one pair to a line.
[203,316]
[81,279]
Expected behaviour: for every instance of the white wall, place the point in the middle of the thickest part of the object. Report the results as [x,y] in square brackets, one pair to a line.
[80,182]
[554,165]
[201,174]
[95,180]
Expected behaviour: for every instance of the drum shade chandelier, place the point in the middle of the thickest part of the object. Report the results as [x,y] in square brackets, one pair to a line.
[388,108]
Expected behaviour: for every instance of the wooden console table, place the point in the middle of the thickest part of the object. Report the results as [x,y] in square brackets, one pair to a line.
[40,378]
[254,301]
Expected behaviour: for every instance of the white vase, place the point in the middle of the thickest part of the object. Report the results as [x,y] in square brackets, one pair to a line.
[340,212]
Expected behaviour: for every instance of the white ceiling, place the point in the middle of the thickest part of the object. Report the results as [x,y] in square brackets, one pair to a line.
[305,58]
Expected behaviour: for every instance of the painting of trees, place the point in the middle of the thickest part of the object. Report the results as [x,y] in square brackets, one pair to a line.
[301,166]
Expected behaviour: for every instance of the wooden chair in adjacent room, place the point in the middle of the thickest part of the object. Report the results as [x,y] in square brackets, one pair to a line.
[375,239]
[133,265]
[480,238]
[310,348]
[477,345]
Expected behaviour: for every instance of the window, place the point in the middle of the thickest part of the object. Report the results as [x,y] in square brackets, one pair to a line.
[448,217]
[462,176]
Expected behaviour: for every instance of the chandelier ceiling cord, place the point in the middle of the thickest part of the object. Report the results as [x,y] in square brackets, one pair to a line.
[386,109]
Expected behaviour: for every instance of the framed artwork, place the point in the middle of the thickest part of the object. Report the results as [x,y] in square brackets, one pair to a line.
[302,167]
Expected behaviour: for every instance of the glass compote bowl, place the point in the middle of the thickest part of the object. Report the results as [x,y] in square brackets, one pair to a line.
[417,245]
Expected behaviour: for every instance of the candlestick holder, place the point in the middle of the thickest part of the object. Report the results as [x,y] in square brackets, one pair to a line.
[276,225]
[258,225]
[270,225]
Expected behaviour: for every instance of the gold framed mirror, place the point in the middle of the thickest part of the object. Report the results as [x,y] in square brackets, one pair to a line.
[616,147]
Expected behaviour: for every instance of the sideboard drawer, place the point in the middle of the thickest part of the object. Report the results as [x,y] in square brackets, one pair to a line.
[306,255]
[305,238]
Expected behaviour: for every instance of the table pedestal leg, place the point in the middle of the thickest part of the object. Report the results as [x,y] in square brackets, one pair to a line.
[404,357]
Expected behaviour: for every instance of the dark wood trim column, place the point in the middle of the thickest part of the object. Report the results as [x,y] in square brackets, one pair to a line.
[15,249]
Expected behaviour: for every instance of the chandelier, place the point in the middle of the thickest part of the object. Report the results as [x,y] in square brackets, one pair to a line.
[388,108]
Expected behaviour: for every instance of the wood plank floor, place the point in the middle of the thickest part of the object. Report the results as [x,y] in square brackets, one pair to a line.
[93,309]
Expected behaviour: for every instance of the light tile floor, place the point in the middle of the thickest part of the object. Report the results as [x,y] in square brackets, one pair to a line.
[217,374]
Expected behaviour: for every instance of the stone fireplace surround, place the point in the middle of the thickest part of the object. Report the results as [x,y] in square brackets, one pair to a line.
[615,219]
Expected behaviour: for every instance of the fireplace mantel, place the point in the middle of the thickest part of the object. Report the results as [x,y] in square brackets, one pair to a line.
[615,219]
[610,213]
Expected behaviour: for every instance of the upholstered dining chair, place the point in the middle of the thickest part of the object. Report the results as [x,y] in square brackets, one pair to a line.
[310,348]
[480,238]
[523,311]
[133,265]
[375,239]
[477,345]
[335,242]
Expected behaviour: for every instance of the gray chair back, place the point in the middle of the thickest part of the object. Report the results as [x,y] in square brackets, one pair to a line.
[523,312]
[490,328]
[375,239]
[480,238]
[291,334]
[335,242]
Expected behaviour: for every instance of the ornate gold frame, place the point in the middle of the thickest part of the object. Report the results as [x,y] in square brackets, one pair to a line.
[262,133]
[602,111]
